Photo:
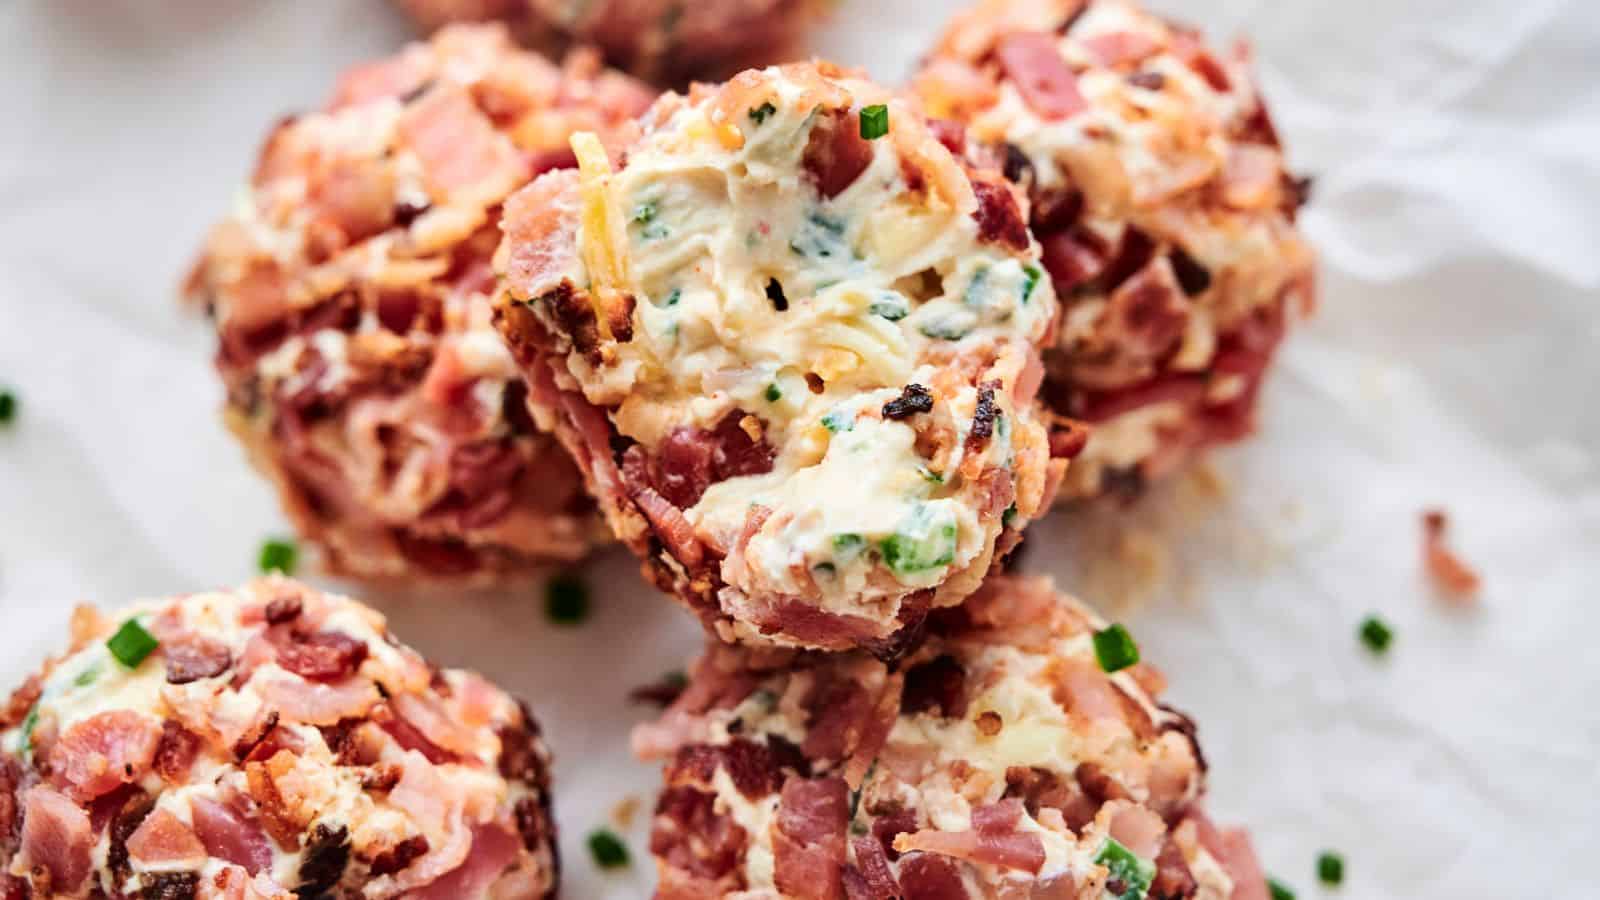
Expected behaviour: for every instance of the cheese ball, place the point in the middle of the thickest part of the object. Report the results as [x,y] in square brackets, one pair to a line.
[350,294]
[793,342]
[266,743]
[1166,212]
[669,41]
[998,760]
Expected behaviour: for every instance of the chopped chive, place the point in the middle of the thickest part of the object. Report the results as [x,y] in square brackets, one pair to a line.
[874,121]
[760,113]
[1279,890]
[566,600]
[1115,649]
[132,644]
[1376,635]
[1030,281]
[930,475]
[609,852]
[839,420]
[1330,868]
[278,556]
[87,676]
[1009,516]
[8,407]
[774,393]
[644,213]
[925,539]
[890,305]
[29,723]
[1126,870]
[674,297]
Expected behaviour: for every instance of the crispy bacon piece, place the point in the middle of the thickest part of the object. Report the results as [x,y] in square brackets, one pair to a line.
[999,219]
[809,839]
[929,876]
[318,704]
[1031,61]
[99,754]
[230,835]
[757,769]
[913,399]
[193,657]
[458,145]
[163,840]
[175,752]
[836,154]
[1458,580]
[493,849]
[937,686]
[692,837]
[1013,850]
[324,656]
[56,838]
[871,878]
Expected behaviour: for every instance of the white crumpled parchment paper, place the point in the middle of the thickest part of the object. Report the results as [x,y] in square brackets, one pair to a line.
[1454,362]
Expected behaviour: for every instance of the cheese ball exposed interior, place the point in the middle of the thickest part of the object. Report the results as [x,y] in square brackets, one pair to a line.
[668,41]
[997,760]
[268,742]
[1164,207]
[793,340]
[350,292]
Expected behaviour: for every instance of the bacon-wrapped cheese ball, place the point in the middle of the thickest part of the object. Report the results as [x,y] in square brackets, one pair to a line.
[793,342]
[350,292]
[266,743]
[1165,211]
[998,760]
[669,41]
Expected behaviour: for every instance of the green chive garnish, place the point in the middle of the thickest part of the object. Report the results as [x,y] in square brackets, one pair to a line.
[760,113]
[566,600]
[1376,635]
[8,407]
[1126,868]
[874,121]
[132,644]
[1030,281]
[774,394]
[1330,868]
[608,851]
[1115,649]
[1279,890]
[1009,516]
[278,556]
[29,723]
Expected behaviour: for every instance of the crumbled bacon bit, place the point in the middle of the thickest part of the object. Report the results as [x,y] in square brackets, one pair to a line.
[246,745]
[176,751]
[284,608]
[327,854]
[399,856]
[533,823]
[324,656]
[381,778]
[1150,81]
[193,657]
[169,885]
[520,759]
[983,417]
[1458,581]
[999,219]
[913,399]
[938,686]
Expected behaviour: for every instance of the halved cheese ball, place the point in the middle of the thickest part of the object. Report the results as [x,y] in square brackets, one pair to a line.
[998,760]
[793,341]
[266,743]
[669,41]
[350,293]
[1165,209]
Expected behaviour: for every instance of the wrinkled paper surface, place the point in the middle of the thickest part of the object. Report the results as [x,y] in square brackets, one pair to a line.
[1455,362]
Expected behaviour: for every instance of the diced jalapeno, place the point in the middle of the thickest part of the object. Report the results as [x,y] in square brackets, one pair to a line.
[1126,869]
[925,539]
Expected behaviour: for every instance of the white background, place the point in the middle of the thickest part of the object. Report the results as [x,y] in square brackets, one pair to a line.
[1455,361]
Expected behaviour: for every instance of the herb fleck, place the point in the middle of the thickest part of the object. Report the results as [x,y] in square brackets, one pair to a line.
[131,645]
[1279,890]
[1376,635]
[774,393]
[566,600]
[1330,868]
[609,852]
[8,407]
[760,113]
[1114,649]
[874,121]
[278,555]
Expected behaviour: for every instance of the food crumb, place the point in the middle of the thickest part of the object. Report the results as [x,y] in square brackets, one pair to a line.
[622,814]
[1457,581]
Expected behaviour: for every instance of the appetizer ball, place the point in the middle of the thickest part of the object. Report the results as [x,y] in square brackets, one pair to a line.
[998,760]
[350,293]
[266,743]
[1165,211]
[669,41]
[793,343]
